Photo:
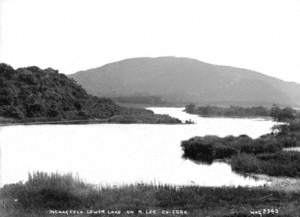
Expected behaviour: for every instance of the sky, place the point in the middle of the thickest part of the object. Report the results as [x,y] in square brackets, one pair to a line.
[74,35]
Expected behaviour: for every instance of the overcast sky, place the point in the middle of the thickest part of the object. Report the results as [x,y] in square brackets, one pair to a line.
[72,35]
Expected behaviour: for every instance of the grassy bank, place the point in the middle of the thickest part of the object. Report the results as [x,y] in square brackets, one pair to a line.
[43,192]
[121,119]
[276,164]
[144,118]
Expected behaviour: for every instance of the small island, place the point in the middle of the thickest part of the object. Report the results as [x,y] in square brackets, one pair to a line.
[242,112]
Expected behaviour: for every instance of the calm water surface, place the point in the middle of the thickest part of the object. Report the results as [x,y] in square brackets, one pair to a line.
[113,154]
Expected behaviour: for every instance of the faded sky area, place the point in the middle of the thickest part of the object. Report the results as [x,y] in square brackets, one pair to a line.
[73,35]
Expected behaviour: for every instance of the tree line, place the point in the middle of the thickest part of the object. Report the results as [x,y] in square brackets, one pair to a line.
[277,113]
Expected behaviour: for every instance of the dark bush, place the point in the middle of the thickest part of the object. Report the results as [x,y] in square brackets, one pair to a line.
[276,164]
[206,149]
[245,163]
[222,151]
[264,144]
[35,110]
[209,148]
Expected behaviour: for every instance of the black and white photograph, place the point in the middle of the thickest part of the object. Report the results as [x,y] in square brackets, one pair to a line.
[149,108]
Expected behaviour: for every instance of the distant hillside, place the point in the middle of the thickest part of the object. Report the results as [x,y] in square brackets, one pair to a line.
[33,94]
[184,80]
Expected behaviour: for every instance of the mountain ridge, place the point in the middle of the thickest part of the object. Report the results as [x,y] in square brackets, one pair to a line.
[183,80]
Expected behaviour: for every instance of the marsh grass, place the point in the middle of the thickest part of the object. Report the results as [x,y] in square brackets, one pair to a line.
[283,163]
[209,148]
[43,192]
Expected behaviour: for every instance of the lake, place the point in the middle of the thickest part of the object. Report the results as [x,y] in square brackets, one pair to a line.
[116,154]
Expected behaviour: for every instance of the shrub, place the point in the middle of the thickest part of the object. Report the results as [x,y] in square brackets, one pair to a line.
[245,163]
[206,149]
[284,163]
[276,164]
[264,144]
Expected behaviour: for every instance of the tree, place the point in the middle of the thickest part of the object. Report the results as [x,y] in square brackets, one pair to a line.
[275,111]
[190,108]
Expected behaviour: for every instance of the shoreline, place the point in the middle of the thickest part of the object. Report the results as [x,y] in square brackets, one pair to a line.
[267,118]
[10,122]
[83,122]
[285,184]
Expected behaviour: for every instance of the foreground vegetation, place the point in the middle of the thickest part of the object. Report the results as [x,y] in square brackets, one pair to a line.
[264,155]
[43,192]
[34,95]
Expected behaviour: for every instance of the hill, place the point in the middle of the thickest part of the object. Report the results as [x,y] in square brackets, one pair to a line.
[183,80]
[31,94]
